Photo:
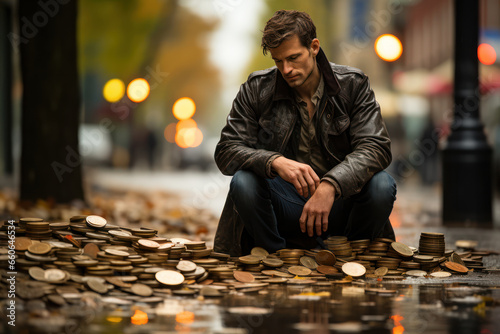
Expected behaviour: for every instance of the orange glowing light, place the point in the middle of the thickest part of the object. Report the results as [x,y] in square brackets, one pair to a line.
[114,319]
[139,318]
[184,108]
[388,47]
[169,132]
[398,328]
[486,54]
[189,137]
[184,317]
[138,90]
[186,124]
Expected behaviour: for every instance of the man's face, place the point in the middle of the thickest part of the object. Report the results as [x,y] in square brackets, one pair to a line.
[295,61]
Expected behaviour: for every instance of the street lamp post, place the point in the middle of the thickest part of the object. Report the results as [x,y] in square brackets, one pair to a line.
[467,194]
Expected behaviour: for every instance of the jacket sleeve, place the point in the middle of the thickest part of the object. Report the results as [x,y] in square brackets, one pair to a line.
[371,146]
[238,146]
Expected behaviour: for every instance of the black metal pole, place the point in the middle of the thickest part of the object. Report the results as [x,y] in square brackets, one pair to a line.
[467,180]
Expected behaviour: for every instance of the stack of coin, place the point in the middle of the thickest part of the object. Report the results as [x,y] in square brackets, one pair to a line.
[59,226]
[25,220]
[359,246]
[290,256]
[340,247]
[143,232]
[38,230]
[431,244]
[251,263]
[379,246]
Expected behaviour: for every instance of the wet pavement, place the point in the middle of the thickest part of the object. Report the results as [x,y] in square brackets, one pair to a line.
[457,304]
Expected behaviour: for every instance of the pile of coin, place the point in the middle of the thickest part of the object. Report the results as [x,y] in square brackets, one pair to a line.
[122,262]
[340,246]
[432,244]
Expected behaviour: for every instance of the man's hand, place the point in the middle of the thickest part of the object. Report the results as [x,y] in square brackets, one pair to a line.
[302,176]
[317,209]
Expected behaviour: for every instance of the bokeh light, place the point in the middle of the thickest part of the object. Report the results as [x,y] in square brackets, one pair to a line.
[113,90]
[184,317]
[486,54]
[169,132]
[185,124]
[184,108]
[138,90]
[139,318]
[388,47]
[188,137]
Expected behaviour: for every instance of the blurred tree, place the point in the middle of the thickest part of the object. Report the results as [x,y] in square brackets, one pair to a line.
[319,10]
[50,159]
[160,40]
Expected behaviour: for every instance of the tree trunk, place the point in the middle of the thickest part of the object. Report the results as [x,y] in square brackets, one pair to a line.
[50,159]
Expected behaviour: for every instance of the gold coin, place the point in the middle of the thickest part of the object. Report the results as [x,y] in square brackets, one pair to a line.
[40,248]
[116,252]
[250,259]
[186,266]
[456,267]
[299,271]
[416,273]
[148,243]
[325,257]
[401,249]
[353,269]
[141,290]
[259,251]
[169,277]
[308,262]
[441,274]
[243,276]
[22,243]
[327,270]
[381,271]
[274,263]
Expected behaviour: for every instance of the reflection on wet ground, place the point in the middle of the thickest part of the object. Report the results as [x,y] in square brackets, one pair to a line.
[414,305]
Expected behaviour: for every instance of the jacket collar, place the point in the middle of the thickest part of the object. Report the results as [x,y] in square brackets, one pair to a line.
[283,91]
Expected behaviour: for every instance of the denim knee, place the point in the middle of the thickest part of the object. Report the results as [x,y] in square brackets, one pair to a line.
[382,188]
[245,185]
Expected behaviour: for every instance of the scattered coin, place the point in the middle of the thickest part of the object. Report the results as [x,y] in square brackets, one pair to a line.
[299,271]
[244,277]
[186,266]
[353,269]
[141,290]
[169,277]
[259,251]
[381,271]
[325,257]
[440,274]
[40,248]
[96,221]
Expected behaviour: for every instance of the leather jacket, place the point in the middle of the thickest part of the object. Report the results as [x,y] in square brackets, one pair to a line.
[264,123]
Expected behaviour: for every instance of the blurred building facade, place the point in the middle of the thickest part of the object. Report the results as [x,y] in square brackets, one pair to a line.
[415,91]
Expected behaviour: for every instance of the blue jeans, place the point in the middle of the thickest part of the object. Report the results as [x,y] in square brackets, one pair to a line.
[270,210]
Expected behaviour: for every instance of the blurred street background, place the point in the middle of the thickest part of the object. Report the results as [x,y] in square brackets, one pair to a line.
[155,80]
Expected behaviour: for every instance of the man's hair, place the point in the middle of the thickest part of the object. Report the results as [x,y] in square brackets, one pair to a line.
[284,24]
